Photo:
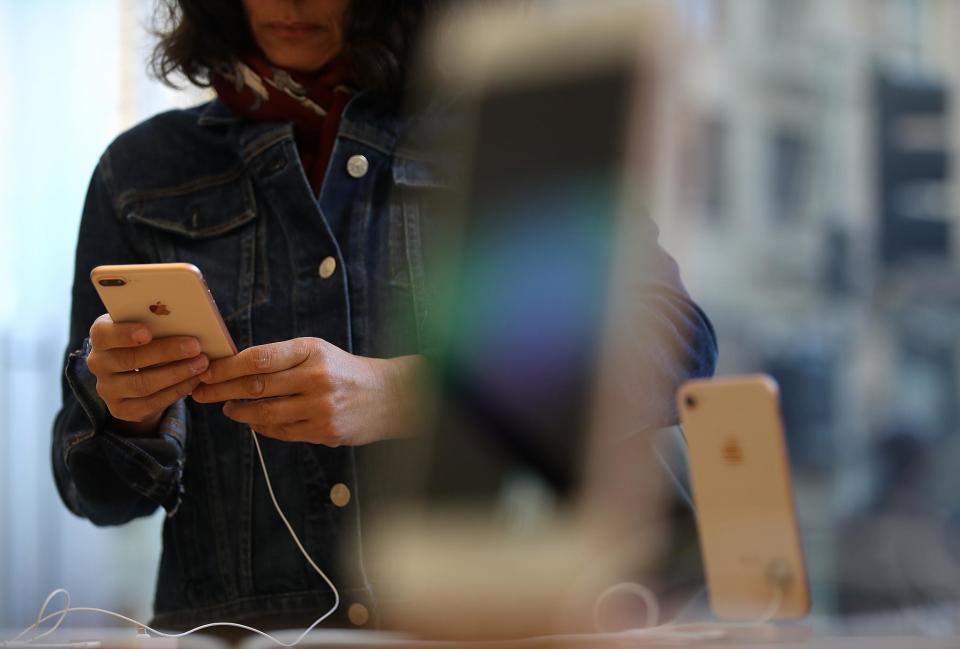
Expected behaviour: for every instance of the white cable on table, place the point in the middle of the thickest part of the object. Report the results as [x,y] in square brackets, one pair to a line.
[63,612]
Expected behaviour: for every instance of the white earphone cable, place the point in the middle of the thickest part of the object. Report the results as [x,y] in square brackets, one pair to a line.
[63,612]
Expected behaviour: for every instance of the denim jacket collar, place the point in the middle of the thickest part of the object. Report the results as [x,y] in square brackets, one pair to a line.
[362,121]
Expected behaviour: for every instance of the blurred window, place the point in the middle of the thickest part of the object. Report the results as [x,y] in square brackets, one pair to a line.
[714,170]
[904,26]
[790,153]
[786,19]
[704,165]
[703,18]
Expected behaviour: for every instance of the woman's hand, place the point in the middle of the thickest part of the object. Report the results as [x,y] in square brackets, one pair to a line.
[308,390]
[138,377]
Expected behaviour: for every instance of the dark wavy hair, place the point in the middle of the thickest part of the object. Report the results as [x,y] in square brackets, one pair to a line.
[195,36]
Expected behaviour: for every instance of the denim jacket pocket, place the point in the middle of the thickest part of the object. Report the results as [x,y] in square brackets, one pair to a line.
[212,224]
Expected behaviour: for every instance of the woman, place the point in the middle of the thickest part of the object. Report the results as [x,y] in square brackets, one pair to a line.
[281,190]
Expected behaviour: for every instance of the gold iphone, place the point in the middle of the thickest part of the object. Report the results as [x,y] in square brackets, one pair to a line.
[746,519]
[170,299]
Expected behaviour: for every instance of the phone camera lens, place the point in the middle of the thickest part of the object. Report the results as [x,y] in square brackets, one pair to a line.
[113,281]
[690,402]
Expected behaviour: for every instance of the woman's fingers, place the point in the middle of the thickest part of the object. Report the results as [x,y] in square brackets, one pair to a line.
[139,377]
[299,431]
[268,413]
[139,409]
[106,334]
[145,383]
[262,359]
[158,352]
[255,386]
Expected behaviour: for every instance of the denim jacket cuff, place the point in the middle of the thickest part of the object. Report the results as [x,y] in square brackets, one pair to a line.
[152,466]
[84,385]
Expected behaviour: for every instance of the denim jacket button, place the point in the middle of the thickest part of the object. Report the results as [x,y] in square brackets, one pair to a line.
[358,614]
[357,166]
[340,495]
[327,267]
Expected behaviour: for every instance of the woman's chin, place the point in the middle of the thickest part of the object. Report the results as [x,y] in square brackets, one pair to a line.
[300,59]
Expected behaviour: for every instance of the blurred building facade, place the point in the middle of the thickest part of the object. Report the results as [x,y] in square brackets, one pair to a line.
[811,202]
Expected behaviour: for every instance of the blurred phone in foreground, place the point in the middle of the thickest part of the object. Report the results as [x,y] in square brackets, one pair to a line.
[508,529]
[170,299]
[746,518]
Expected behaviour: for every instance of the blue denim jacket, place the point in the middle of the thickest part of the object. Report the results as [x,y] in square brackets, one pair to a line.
[230,196]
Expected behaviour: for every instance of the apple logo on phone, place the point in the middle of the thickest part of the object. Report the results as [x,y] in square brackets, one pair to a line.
[159,309]
[732,451]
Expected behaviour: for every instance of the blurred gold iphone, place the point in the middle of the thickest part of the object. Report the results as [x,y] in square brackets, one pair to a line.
[746,519]
[170,299]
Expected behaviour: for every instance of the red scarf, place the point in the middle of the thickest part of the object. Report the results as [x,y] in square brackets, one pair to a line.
[254,89]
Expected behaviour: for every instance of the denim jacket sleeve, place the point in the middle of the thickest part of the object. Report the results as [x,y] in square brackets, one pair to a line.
[103,475]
